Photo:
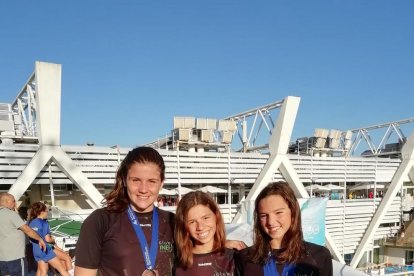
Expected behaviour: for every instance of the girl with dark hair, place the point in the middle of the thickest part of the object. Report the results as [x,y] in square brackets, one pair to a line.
[129,236]
[200,238]
[53,255]
[279,247]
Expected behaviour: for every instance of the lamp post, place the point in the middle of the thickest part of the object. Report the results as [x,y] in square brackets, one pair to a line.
[313,180]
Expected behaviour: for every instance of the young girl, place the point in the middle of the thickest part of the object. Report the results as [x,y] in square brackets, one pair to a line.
[200,238]
[53,255]
[279,247]
[129,236]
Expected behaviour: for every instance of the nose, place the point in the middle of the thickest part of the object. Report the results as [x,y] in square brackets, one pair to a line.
[199,225]
[142,187]
[271,220]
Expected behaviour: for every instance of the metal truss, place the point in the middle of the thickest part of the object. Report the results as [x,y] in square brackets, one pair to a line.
[252,125]
[47,105]
[24,108]
[390,128]
[261,118]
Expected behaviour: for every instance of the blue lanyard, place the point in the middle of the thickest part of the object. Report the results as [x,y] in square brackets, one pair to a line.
[149,255]
[270,269]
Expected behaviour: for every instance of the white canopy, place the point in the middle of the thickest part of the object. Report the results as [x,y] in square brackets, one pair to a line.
[367,187]
[212,190]
[316,187]
[166,192]
[332,187]
[183,190]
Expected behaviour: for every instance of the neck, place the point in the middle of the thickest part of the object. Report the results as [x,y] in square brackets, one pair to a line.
[275,244]
[142,211]
[202,248]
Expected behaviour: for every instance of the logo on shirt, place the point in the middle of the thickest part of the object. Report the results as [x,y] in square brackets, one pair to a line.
[165,246]
[204,264]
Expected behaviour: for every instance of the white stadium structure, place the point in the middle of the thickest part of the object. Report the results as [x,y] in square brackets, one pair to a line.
[361,229]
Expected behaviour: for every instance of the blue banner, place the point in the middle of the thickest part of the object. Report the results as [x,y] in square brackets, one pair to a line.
[313,219]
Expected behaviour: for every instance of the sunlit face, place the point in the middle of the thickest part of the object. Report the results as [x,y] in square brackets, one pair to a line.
[143,185]
[11,202]
[43,214]
[201,224]
[275,218]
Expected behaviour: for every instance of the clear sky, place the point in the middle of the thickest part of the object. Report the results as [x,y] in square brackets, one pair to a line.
[129,67]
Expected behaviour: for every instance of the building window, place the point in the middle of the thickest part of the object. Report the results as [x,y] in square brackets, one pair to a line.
[409,256]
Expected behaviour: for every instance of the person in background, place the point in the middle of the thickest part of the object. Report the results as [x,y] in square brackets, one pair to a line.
[12,238]
[279,247]
[200,238]
[26,201]
[52,255]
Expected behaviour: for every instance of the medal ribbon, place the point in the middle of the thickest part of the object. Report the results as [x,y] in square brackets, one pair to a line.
[150,255]
[270,269]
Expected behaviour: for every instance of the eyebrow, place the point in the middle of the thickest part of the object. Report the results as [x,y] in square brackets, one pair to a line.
[275,210]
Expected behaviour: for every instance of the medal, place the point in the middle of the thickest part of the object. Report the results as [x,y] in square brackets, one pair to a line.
[149,252]
[149,272]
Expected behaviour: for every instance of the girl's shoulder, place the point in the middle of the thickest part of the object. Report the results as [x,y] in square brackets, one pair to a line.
[166,216]
[315,249]
[244,254]
[36,221]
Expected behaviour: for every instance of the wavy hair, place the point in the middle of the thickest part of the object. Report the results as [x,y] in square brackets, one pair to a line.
[117,200]
[182,236]
[36,209]
[292,242]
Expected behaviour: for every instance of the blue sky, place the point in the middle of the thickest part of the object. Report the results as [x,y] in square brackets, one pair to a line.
[129,67]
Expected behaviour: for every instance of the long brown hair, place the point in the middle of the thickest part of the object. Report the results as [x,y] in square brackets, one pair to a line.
[36,209]
[117,200]
[293,239]
[183,239]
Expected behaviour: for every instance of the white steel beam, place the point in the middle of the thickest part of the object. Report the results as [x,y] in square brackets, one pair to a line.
[278,160]
[28,175]
[278,145]
[405,169]
[48,86]
[69,168]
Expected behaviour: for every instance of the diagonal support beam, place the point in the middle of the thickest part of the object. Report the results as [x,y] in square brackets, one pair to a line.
[278,145]
[287,170]
[406,168]
[68,167]
[28,175]
[76,175]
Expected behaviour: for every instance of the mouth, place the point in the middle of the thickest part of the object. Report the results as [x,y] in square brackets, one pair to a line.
[274,229]
[203,235]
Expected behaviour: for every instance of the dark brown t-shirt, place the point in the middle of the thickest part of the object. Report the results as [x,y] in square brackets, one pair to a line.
[210,264]
[108,242]
[316,262]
